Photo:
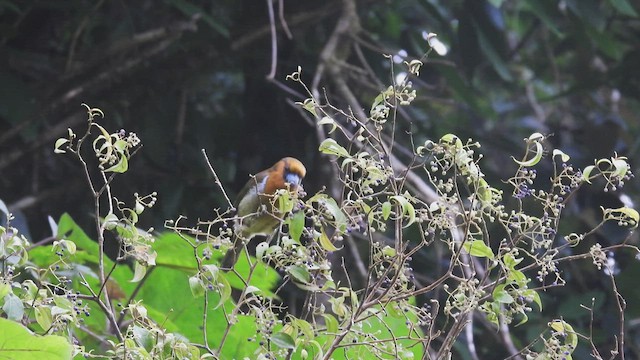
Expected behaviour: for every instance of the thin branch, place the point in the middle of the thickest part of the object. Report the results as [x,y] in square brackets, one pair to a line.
[283,22]
[274,41]
[217,179]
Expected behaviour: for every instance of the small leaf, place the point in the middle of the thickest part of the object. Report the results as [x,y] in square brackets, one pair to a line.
[332,207]
[110,221]
[261,249]
[224,290]
[484,191]
[331,323]
[310,106]
[305,328]
[43,317]
[535,159]
[407,208]
[59,143]
[536,297]
[563,157]
[139,272]
[562,327]
[328,121]
[501,295]
[69,246]
[252,289]
[13,307]
[478,248]
[326,243]
[299,273]
[296,225]
[536,137]
[4,289]
[587,172]
[283,340]
[525,318]
[388,251]
[621,167]
[331,147]
[120,167]
[627,212]
[386,210]
[196,286]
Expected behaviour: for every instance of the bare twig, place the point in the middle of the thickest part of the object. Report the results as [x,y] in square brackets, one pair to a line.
[283,22]
[217,179]
[274,41]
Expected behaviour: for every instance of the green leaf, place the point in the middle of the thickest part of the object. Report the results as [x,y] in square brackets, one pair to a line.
[120,167]
[57,148]
[110,221]
[13,307]
[43,317]
[331,147]
[296,225]
[501,295]
[407,208]
[4,289]
[283,340]
[621,167]
[586,173]
[484,191]
[261,249]
[386,210]
[328,121]
[252,289]
[326,243]
[310,106]
[304,327]
[332,207]
[536,297]
[299,273]
[139,272]
[224,292]
[563,157]
[18,343]
[535,159]
[196,286]
[562,327]
[331,323]
[478,248]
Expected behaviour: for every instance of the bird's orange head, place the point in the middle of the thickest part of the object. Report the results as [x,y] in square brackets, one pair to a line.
[288,172]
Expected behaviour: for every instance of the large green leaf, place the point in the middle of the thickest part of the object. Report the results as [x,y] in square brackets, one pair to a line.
[18,343]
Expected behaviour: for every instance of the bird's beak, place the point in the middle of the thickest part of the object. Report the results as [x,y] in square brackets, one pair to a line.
[293,179]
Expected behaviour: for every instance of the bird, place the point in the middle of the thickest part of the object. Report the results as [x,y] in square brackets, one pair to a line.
[256,212]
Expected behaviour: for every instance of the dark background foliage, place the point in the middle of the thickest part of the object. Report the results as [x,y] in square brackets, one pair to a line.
[187,75]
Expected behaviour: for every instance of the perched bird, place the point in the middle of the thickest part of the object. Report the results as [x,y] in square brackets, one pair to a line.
[256,212]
